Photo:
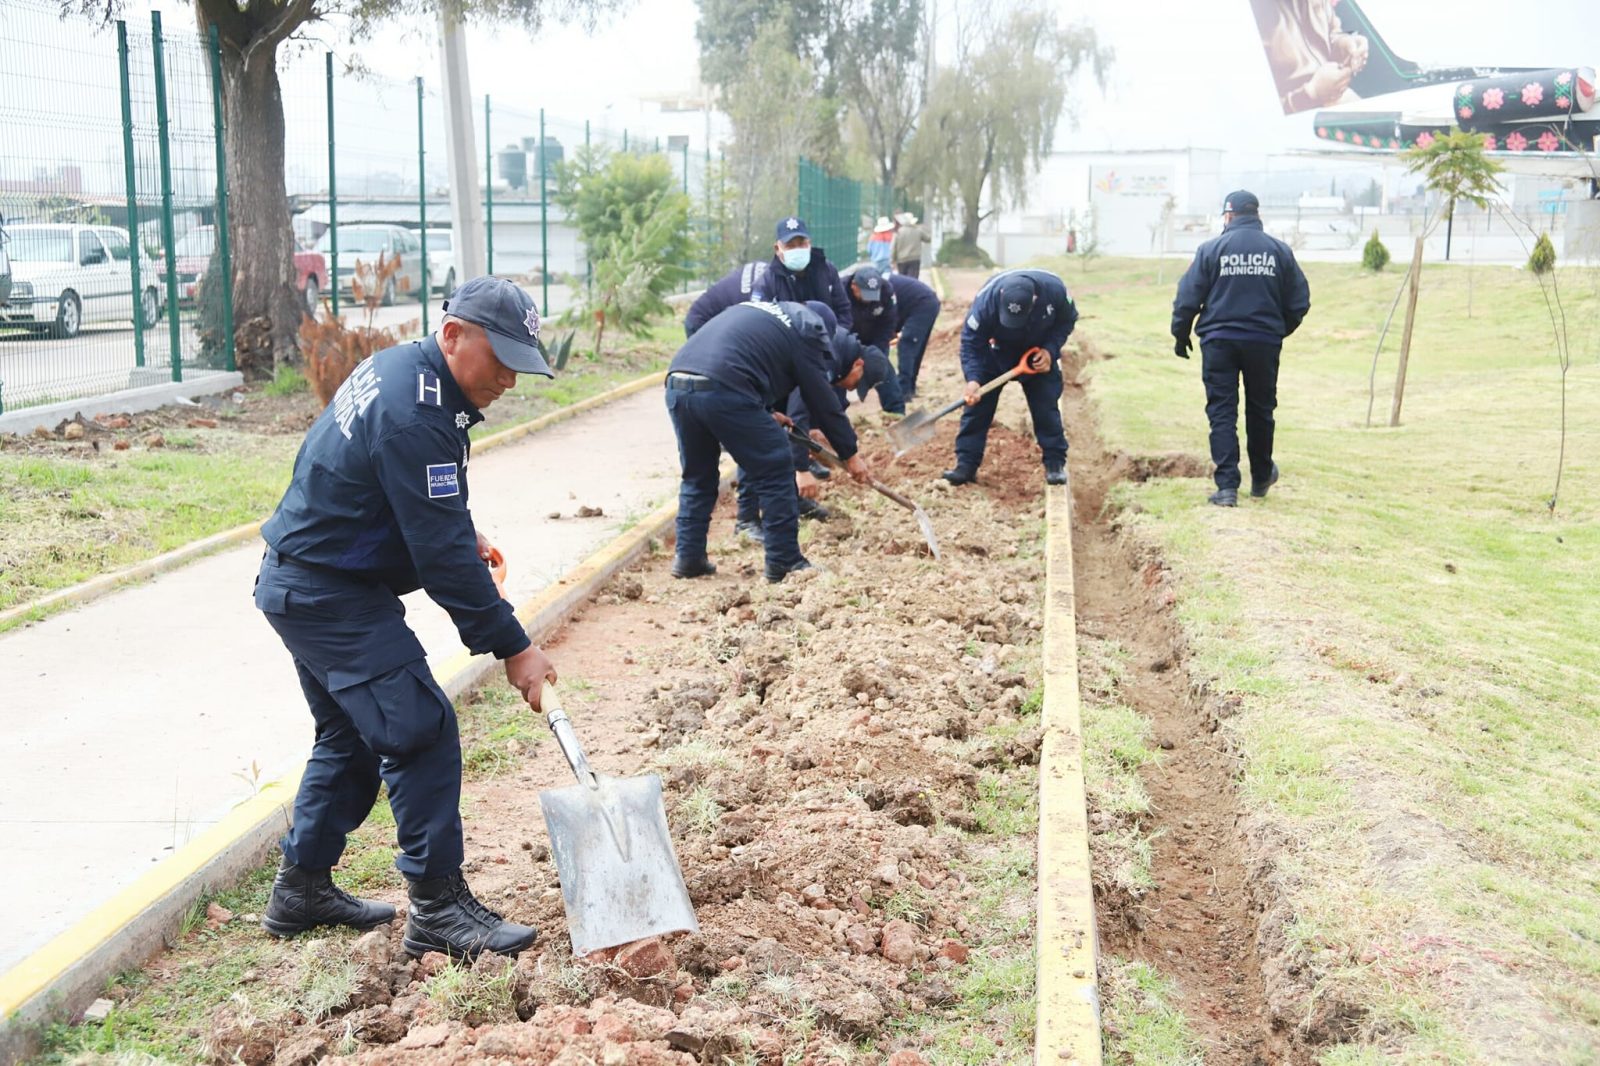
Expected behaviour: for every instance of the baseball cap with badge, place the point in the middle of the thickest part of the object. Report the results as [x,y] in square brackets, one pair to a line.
[1242,202]
[508,316]
[874,368]
[1017,296]
[792,227]
[870,282]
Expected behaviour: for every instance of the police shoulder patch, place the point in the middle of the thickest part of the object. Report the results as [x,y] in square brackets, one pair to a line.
[444,479]
[429,394]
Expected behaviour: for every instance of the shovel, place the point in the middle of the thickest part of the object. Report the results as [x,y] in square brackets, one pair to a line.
[917,427]
[620,879]
[828,458]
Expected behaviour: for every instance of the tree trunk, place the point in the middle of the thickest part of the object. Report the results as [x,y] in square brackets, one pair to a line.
[266,308]
[971,215]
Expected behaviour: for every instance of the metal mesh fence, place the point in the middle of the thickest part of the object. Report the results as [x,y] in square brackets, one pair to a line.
[114,216]
[87,254]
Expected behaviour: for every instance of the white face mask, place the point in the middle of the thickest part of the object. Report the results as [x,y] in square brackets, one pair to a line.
[796,259]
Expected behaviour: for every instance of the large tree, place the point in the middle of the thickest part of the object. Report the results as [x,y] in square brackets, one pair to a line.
[992,117]
[266,308]
[883,75]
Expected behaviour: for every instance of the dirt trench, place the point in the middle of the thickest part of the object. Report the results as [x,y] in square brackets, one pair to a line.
[1200,924]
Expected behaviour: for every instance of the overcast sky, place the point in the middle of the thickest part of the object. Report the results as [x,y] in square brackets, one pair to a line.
[1186,73]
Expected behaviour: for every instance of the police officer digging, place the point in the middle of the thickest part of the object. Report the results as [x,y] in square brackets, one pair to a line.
[725,389]
[874,313]
[376,508]
[1017,311]
[851,365]
[1248,293]
[797,272]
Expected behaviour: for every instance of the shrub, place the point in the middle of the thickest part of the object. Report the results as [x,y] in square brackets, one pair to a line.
[955,252]
[331,349]
[1543,259]
[1374,256]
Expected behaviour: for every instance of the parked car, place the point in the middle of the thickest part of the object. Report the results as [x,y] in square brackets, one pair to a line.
[441,262]
[64,276]
[365,243]
[5,265]
[194,255]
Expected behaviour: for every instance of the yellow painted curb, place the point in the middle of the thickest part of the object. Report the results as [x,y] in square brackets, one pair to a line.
[936,276]
[1068,983]
[94,588]
[545,421]
[63,976]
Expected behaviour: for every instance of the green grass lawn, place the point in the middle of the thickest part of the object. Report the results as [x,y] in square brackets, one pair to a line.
[67,516]
[1410,630]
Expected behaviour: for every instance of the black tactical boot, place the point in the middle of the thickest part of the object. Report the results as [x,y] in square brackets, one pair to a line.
[304,899]
[960,476]
[700,567]
[777,575]
[1259,489]
[1224,498]
[445,916]
[750,529]
[818,471]
[1055,473]
[813,510]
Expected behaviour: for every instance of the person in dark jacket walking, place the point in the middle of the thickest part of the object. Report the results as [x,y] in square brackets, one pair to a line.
[726,388]
[797,272]
[376,508]
[1243,294]
[1016,312]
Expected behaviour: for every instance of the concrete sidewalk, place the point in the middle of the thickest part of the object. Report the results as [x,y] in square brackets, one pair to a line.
[134,722]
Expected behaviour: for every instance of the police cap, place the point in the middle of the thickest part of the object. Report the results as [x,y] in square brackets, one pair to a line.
[508,316]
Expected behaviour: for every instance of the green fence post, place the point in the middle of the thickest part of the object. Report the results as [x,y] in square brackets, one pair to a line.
[488,189]
[588,264]
[222,199]
[333,196]
[135,248]
[544,221]
[422,204]
[169,240]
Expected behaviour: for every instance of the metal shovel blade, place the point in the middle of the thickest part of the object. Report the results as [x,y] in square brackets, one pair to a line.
[914,429]
[925,524]
[620,879]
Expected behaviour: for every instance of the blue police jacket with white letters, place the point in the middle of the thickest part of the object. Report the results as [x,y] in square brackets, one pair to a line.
[874,323]
[771,282]
[766,351]
[911,297]
[1244,285]
[985,343]
[379,492]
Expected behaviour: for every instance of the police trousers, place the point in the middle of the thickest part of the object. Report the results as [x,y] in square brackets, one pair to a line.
[1223,363]
[713,417]
[379,715]
[1044,406]
[914,336]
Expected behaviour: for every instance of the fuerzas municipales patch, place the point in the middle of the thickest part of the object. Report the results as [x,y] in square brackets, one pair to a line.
[444,479]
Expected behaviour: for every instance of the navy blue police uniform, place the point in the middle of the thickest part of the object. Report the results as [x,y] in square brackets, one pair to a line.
[376,508]
[1017,310]
[721,388]
[916,310]
[845,349]
[874,315]
[1243,294]
[771,282]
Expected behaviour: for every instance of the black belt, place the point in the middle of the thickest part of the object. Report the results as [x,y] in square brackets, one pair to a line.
[681,381]
[277,558]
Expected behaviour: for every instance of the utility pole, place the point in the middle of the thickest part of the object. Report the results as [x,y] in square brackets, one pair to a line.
[466,206]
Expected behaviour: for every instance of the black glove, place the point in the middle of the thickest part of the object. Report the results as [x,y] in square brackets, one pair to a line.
[1181,347]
